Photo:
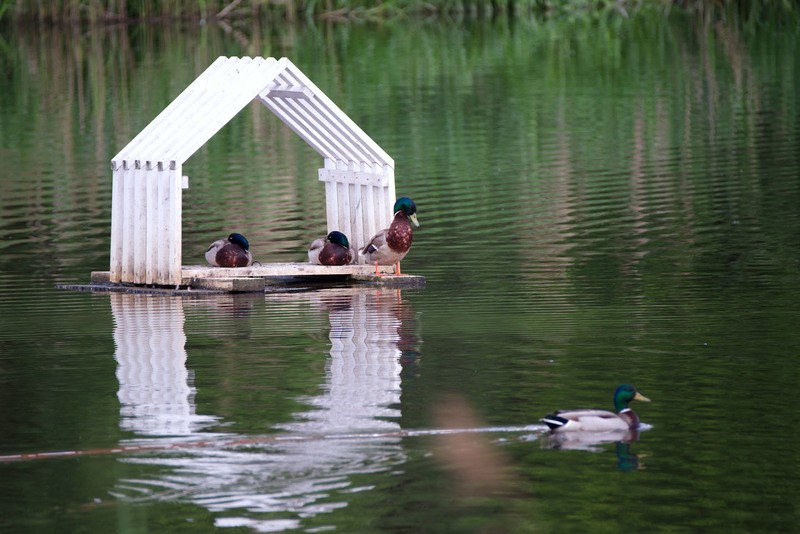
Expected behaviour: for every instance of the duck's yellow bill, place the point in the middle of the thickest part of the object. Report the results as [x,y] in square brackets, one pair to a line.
[414,220]
[640,397]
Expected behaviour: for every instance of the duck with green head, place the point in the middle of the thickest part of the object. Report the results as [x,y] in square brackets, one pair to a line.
[622,419]
[231,252]
[334,249]
[391,245]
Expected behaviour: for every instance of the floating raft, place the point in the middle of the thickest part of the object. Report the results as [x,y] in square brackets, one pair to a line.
[260,278]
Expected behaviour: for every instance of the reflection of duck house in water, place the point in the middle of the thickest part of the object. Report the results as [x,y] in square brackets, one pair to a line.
[148,177]
[270,480]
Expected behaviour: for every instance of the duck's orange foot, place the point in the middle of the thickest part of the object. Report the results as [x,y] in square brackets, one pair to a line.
[396,271]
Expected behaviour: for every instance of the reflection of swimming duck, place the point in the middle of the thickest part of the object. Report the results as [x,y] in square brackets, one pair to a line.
[391,245]
[588,441]
[626,459]
[231,252]
[599,420]
[334,249]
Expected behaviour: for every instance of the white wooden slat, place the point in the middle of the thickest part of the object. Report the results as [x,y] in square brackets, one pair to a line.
[177,119]
[331,199]
[324,123]
[347,217]
[117,224]
[353,193]
[187,124]
[352,177]
[129,177]
[169,232]
[362,232]
[343,219]
[238,91]
[135,230]
[341,117]
[329,117]
[292,91]
[371,226]
[304,128]
[162,233]
[354,190]
[317,129]
[343,202]
[317,124]
[136,146]
[177,218]
[355,148]
[337,209]
[389,196]
[331,203]
[178,122]
[151,184]
[382,209]
[140,227]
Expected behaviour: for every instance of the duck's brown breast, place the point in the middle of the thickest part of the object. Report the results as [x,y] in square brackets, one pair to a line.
[630,417]
[333,254]
[400,234]
[232,256]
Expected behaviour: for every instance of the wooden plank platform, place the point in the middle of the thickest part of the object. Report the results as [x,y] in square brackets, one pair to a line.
[261,278]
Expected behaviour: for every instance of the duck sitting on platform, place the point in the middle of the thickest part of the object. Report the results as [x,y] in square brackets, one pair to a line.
[334,249]
[599,420]
[231,252]
[391,245]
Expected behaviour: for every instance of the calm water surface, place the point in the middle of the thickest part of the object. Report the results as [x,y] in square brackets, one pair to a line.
[602,201]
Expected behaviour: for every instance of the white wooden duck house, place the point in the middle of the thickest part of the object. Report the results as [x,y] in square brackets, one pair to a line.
[148,173]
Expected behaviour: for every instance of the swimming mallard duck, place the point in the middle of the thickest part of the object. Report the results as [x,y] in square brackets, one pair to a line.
[231,252]
[334,249]
[599,420]
[391,245]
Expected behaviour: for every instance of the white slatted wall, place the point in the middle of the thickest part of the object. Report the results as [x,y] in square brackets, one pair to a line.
[358,202]
[146,227]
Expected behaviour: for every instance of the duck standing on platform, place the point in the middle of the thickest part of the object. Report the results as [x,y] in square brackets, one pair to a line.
[231,252]
[599,420]
[334,249]
[391,245]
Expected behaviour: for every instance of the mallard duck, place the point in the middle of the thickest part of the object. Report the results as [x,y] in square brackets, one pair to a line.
[391,245]
[599,420]
[231,252]
[334,249]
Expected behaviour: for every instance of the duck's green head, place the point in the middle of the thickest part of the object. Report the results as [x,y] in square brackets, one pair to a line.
[239,239]
[338,238]
[624,395]
[407,206]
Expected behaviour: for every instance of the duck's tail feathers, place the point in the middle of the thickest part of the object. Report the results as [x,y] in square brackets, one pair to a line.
[554,421]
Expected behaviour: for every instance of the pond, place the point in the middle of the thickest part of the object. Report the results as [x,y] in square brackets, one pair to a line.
[602,200]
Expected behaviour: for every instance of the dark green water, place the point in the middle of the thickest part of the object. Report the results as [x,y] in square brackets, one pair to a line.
[602,201]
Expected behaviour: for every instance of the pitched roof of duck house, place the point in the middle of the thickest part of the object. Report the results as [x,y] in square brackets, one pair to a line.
[224,89]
